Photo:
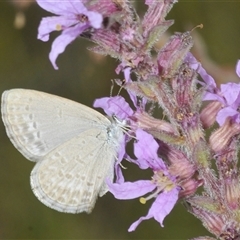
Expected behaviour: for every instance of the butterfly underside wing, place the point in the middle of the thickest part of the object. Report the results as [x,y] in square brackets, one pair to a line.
[74,147]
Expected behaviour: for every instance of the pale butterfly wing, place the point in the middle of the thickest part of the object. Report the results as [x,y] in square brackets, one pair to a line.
[70,177]
[74,146]
[37,122]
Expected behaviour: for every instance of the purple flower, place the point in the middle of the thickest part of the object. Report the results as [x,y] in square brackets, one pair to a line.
[166,191]
[73,19]
[116,106]
[161,207]
[163,184]
[228,94]
[210,83]
[231,97]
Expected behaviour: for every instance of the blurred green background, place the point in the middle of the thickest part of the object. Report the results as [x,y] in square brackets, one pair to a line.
[83,76]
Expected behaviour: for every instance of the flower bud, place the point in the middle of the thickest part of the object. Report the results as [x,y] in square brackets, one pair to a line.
[208,114]
[180,167]
[189,187]
[232,193]
[171,56]
[146,122]
[220,139]
[215,223]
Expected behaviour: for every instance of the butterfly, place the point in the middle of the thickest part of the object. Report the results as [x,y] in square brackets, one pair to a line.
[74,147]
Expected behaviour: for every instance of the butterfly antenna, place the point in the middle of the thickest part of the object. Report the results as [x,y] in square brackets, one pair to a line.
[122,84]
[126,129]
[111,89]
[122,166]
[119,162]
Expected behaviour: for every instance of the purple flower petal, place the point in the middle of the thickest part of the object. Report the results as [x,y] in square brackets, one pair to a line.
[114,106]
[119,174]
[135,224]
[164,204]
[62,7]
[208,96]
[50,24]
[224,113]
[130,190]
[60,43]
[238,68]
[231,92]
[70,20]
[95,19]
[161,207]
[208,79]
[147,156]
[229,96]
[192,61]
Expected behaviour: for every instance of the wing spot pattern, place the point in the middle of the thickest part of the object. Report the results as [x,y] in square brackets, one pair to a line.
[73,202]
[38,145]
[79,160]
[43,175]
[35,125]
[45,187]
[35,188]
[86,196]
[52,194]
[61,199]
[57,155]
[69,176]
[63,160]
[27,108]
[83,177]
[30,116]
[38,135]
[60,173]
[89,184]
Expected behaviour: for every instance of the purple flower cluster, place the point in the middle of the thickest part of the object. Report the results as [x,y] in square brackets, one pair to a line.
[176,149]
[228,94]
[162,182]
[73,18]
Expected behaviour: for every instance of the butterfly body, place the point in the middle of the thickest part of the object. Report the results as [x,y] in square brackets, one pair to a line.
[74,147]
